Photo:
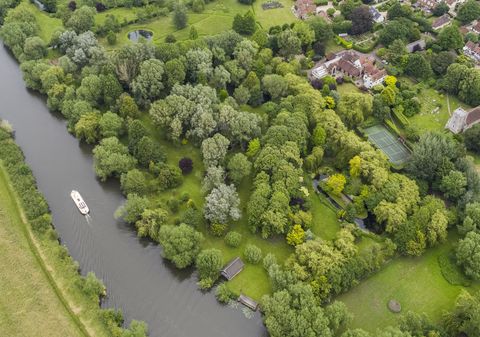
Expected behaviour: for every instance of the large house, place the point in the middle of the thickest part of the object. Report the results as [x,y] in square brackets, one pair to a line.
[472,50]
[304,8]
[462,120]
[350,63]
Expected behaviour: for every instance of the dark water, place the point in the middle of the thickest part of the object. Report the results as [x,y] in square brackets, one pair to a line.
[137,34]
[138,281]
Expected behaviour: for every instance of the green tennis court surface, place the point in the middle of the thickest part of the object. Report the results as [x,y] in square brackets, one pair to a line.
[388,143]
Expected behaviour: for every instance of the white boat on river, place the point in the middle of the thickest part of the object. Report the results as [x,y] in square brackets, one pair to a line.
[79,202]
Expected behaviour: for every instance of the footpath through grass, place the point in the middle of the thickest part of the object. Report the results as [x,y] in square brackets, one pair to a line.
[29,305]
[417,283]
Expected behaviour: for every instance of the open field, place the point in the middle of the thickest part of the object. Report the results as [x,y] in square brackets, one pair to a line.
[29,305]
[46,23]
[273,17]
[417,283]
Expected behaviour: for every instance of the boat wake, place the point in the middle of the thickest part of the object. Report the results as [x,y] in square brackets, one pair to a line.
[88,218]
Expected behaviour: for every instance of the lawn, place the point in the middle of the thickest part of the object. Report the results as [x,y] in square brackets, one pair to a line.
[47,24]
[349,88]
[430,120]
[28,305]
[417,283]
[273,17]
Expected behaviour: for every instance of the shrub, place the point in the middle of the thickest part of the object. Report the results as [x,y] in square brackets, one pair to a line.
[218,229]
[186,165]
[92,286]
[111,38]
[42,223]
[100,7]
[173,205]
[208,263]
[223,294]
[269,260]
[233,239]
[252,254]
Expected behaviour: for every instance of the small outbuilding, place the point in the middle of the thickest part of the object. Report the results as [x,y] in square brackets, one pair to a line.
[248,302]
[232,268]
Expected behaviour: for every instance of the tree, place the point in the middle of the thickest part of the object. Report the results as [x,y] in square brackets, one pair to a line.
[469,11]
[450,38]
[233,239]
[174,73]
[147,151]
[464,319]
[418,66]
[214,150]
[441,62]
[239,167]
[353,108]
[81,20]
[111,125]
[288,43]
[90,90]
[221,205]
[208,263]
[131,211]
[111,158]
[275,86]
[296,235]
[181,244]
[127,106]
[252,254]
[186,165]
[193,35]
[402,29]
[244,24]
[468,255]
[453,185]
[336,183]
[295,312]
[198,6]
[180,17]
[440,9]
[34,48]
[362,20]
[148,86]
[134,181]
[323,30]
[88,127]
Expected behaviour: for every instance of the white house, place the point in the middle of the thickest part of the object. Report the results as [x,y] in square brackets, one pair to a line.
[376,15]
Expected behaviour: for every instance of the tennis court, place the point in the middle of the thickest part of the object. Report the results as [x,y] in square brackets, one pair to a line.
[388,143]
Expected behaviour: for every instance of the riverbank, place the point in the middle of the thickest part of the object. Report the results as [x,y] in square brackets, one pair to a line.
[29,301]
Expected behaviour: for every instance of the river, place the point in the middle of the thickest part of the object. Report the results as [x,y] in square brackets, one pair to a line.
[138,280]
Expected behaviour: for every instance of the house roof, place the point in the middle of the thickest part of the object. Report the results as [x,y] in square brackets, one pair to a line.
[441,21]
[472,47]
[473,116]
[421,44]
[348,67]
[232,268]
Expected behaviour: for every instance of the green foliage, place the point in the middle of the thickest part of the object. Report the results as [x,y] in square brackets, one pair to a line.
[296,235]
[131,211]
[233,239]
[451,272]
[111,158]
[180,17]
[92,286]
[468,255]
[336,183]
[252,254]
[134,181]
[244,24]
[223,293]
[208,263]
[81,20]
[218,229]
[468,11]
[181,244]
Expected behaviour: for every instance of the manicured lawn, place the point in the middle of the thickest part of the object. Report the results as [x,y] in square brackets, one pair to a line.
[273,17]
[47,24]
[28,304]
[417,283]
[217,17]
[121,13]
[427,119]
[348,88]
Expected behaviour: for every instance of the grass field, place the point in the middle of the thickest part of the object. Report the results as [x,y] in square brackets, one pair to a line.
[46,23]
[273,17]
[417,283]
[430,99]
[29,305]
